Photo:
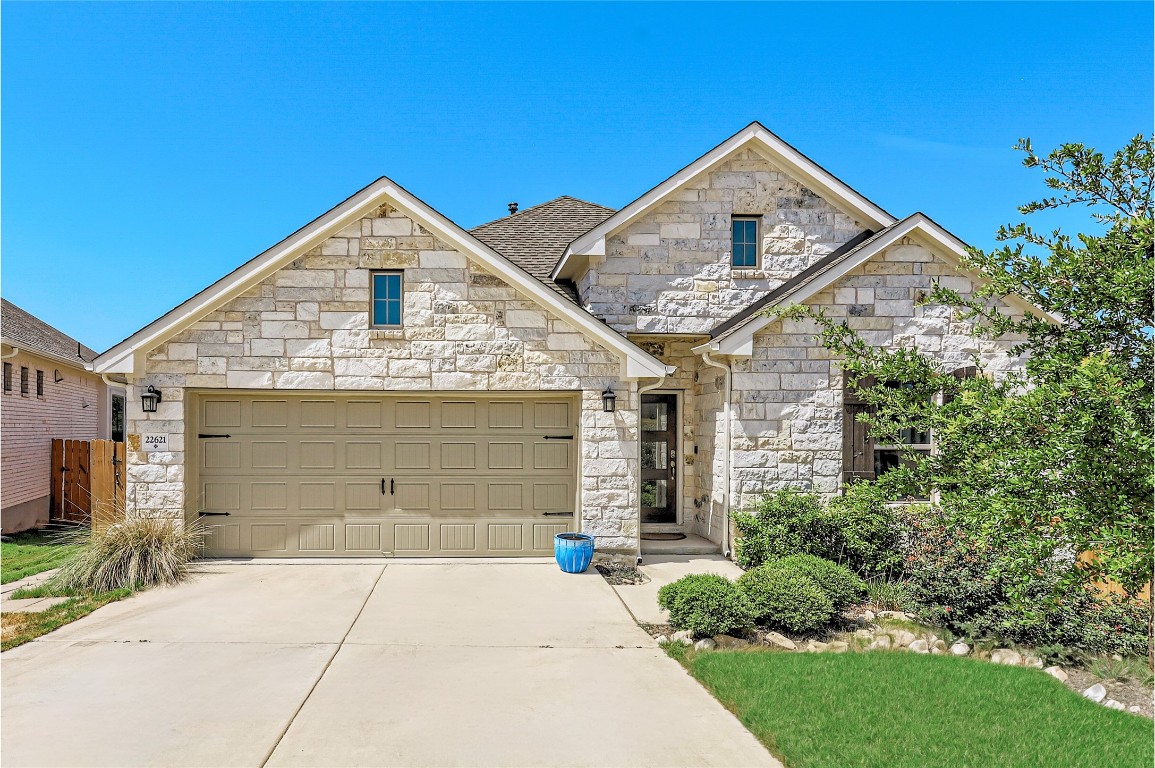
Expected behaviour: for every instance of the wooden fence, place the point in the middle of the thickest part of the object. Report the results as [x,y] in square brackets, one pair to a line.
[87,481]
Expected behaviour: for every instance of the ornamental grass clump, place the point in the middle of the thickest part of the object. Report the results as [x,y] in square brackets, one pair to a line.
[786,599]
[135,553]
[706,604]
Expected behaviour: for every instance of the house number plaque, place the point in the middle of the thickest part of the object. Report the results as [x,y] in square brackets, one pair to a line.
[153,443]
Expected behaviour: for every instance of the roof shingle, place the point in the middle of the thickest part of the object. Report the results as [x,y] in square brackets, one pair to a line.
[26,331]
[536,237]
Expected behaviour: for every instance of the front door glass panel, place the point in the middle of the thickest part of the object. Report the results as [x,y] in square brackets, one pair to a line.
[659,440]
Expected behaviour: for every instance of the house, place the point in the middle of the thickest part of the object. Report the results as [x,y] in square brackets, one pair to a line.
[49,391]
[383,381]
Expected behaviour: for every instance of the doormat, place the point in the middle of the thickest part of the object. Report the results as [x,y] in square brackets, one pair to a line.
[663,536]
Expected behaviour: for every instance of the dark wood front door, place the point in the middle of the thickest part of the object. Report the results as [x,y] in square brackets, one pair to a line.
[659,458]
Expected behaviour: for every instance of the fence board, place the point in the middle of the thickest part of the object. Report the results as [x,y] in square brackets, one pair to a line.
[87,481]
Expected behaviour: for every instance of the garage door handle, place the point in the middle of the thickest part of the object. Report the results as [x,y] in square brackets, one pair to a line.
[557,514]
[212,514]
[202,434]
[383,486]
[557,437]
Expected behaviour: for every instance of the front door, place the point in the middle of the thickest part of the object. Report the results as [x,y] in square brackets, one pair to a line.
[659,458]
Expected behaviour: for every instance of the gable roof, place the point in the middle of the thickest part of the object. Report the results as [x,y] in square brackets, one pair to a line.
[26,331]
[754,136]
[736,335]
[535,238]
[124,357]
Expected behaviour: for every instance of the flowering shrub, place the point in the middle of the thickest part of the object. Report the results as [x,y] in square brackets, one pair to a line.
[954,582]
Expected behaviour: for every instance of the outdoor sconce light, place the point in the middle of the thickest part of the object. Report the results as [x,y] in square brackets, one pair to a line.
[149,398]
[608,400]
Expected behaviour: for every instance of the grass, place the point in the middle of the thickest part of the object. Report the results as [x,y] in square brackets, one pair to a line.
[32,553]
[19,627]
[1126,670]
[903,710]
[887,595]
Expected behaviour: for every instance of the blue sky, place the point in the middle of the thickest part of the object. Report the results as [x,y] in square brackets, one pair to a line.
[149,148]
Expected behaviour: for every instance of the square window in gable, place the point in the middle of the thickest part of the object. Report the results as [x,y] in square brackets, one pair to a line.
[386,300]
[744,246]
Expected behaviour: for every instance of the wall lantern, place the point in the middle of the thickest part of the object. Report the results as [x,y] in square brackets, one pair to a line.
[149,398]
[608,400]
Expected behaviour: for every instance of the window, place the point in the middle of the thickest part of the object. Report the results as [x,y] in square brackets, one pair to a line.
[862,457]
[40,383]
[386,300]
[744,253]
[23,381]
[7,377]
[118,418]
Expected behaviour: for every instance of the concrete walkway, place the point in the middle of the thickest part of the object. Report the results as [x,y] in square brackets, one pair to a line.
[642,599]
[399,664]
[27,604]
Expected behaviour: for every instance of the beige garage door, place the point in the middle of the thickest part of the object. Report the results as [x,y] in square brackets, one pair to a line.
[315,475]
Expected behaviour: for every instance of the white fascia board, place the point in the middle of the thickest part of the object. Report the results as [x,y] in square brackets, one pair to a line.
[122,358]
[771,147]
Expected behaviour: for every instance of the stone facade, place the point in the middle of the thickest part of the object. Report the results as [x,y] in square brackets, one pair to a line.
[306,327]
[669,270]
[666,281]
[788,395]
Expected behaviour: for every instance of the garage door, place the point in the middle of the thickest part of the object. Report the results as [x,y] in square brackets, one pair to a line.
[323,476]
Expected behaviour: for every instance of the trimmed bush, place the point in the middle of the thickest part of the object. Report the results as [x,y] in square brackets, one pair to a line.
[840,585]
[858,529]
[786,599]
[706,604]
[136,553]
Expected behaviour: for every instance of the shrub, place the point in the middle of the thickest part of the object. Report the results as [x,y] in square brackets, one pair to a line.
[786,599]
[135,553]
[954,582]
[840,585]
[706,604]
[858,529]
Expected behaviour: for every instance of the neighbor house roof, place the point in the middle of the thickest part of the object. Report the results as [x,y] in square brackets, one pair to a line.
[536,237]
[28,332]
[126,356]
[736,335]
[756,137]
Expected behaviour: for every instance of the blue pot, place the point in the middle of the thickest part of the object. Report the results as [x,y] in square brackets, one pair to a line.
[573,551]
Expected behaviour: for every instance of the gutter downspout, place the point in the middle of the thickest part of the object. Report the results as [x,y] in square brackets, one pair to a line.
[726,417]
[641,391]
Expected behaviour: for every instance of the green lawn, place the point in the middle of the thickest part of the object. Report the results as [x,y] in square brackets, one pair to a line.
[18,628]
[30,553]
[900,710]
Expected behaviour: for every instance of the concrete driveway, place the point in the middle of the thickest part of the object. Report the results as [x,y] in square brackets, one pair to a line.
[398,664]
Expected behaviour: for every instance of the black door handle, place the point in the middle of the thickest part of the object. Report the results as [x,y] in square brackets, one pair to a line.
[383,486]
[213,514]
[203,435]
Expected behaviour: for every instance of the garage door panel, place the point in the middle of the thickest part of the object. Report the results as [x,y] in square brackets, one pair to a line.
[405,475]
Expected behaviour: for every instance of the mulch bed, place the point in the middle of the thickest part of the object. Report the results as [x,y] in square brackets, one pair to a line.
[619,574]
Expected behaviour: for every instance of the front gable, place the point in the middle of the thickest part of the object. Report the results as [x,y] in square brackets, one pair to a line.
[381,227]
[669,268]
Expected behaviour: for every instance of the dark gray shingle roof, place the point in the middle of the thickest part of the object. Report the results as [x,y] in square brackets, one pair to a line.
[536,237]
[29,332]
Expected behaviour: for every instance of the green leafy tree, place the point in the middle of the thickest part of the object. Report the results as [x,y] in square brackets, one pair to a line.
[1055,460]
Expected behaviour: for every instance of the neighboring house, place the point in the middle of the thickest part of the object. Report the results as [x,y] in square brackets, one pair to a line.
[49,391]
[386,382]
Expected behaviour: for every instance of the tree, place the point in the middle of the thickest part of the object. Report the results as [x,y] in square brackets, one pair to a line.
[1055,460]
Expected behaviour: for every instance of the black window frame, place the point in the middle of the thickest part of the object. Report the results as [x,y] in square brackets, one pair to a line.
[24,381]
[757,222]
[7,378]
[400,274]
[39,383]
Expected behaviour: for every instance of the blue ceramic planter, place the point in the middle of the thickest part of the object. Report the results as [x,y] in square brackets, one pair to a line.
[573,551]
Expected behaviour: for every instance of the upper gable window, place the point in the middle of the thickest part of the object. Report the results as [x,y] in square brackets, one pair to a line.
[386,300]
[744,253]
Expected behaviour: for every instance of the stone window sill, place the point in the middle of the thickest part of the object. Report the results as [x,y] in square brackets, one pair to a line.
[386,333]
[749,274]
